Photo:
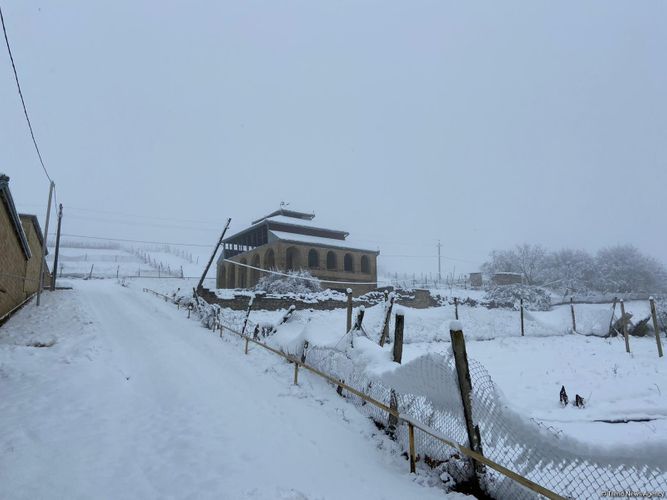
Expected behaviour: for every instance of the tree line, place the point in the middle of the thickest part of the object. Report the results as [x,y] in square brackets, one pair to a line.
[615,269]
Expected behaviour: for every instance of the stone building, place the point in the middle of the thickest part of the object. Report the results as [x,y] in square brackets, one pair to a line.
[20,252]
[504,278]
[289,240]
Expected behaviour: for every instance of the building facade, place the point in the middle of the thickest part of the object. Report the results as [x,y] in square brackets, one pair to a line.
[20,252]
[288,240]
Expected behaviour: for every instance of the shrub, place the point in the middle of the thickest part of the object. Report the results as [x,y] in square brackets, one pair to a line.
[296,282]
[509,296]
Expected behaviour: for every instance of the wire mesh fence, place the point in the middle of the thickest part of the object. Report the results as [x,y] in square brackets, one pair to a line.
[426,391]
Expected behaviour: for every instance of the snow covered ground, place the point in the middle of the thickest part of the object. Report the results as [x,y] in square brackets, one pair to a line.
[110,393]
[147,261]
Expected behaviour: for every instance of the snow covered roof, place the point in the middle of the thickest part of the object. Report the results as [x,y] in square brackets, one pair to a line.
[315,240]
[287,213]
[6,196]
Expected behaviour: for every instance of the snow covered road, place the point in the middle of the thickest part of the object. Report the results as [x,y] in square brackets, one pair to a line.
[132,400]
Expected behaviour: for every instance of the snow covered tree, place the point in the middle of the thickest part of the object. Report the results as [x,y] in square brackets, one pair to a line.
[623,268]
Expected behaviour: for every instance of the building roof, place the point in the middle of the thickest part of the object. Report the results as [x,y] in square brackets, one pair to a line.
[289,221]
[318,241]
[286,213]
[8,201]
[35,222]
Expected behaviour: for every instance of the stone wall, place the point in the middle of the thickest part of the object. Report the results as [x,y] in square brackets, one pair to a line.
[416,299]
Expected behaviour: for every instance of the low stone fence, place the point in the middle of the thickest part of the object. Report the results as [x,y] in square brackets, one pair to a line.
[416,299]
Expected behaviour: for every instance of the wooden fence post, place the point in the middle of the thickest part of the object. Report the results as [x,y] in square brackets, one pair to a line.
[456,308]
[398,337]
[655,326]
[247,313]
[349,310]
[611,320]
[574,320]
[398,356]
[413,457]
[522,327]
[389,304]
[296,372]
[624,321]
[357,324]
[465,388]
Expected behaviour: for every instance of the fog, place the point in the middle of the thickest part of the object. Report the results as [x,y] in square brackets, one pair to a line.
[479,124]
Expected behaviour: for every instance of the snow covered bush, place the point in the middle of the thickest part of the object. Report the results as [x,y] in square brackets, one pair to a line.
[296,282]
[509,296]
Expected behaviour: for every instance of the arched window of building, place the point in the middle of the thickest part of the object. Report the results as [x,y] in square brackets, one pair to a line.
[313,259]
[270,259]
[332,262]
[254,273]
[243,273]
[293,259]
[365,264]
[348,263]
[231,276]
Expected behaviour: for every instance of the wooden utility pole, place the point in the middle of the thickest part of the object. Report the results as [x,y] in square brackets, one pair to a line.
[465,387]
[215,250]
[574,321]
[439,263]
[655,326]
[52,186]
[522,328]
[55,259]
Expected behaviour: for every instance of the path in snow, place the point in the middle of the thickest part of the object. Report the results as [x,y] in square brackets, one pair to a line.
[143,403]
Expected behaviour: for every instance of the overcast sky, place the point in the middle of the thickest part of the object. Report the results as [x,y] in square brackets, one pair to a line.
[482,124]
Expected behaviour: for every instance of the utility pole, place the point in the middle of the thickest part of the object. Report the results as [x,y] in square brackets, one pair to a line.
[46,234]
[439,263]
[215,250]
[55,260]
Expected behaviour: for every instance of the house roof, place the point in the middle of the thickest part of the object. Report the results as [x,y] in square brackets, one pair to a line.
[35,222]
[8,201]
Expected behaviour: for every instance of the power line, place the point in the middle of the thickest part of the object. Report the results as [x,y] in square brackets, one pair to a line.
[18,86]
[135,241]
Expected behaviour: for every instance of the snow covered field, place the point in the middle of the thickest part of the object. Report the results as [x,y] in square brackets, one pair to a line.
[110,393]
[124,260]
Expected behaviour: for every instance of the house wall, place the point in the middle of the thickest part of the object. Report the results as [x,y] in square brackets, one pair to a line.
[284,253]
[13,264]
[32,268]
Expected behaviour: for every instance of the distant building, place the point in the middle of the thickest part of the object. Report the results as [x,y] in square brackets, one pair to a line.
[507,278]
[289,240]
[21,243]
[476,280]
